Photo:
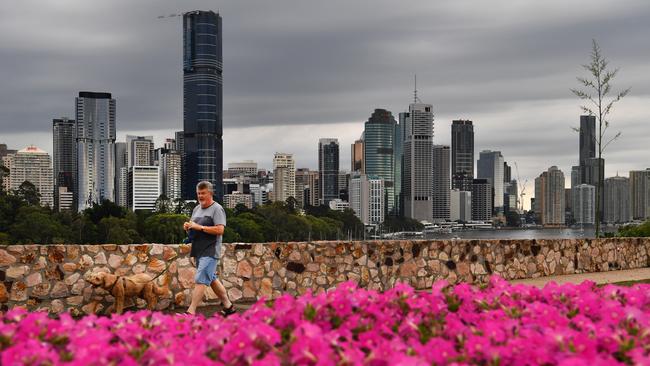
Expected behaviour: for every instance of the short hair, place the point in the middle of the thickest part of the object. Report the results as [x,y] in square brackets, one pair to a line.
[204,185]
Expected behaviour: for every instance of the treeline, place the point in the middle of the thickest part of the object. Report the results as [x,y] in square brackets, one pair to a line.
[642,230]
[24,221]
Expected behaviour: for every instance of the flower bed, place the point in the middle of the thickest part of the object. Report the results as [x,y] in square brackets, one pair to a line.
[500,324]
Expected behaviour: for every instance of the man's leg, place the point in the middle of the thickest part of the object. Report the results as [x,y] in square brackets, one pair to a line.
[220,291]
[197,297]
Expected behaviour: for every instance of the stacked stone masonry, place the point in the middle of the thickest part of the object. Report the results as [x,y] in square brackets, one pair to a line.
[51,277]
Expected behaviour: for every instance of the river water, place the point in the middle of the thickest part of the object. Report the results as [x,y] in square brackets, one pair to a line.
[549,233]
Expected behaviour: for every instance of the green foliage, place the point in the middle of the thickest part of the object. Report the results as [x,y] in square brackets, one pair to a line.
[395,224]
[28,192]
[22,221]
[36,225]
[166,228]
[119,230]
[105,209]
[642,230]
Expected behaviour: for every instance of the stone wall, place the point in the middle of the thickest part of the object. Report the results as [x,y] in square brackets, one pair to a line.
[51,276]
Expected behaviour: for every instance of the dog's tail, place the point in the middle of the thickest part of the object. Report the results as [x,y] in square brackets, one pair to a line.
[164,289]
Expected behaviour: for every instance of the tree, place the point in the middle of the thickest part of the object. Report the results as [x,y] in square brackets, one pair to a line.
[104,209]
[165,228]
[119,230]
[4,172]
[28,192]
[47,231]
[596,92]
[163,204]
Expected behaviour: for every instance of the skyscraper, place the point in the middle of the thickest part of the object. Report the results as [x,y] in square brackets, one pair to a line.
[367,196]
[587,140]
[507,172]
[398,167]
[357,156]
[202,102]
[481,200]
[593,173]
[121,174]
[139,150]
[460,205]
[328,168]
[379,155]
[95,139]
[490,167]
[640,194]
[584,200]
[284,177]
[313,189]
[617,200]
[441,183]
[64,160]
[144,187]
[549,197]
[35,166]
[302,184]
[462,154]
[170,173]
[417,184]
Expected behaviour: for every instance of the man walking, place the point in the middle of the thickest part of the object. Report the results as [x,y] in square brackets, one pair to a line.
[208,223]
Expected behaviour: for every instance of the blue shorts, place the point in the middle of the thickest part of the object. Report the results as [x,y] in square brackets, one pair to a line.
[206,268]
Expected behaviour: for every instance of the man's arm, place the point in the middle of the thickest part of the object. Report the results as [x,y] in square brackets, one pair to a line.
[212,230]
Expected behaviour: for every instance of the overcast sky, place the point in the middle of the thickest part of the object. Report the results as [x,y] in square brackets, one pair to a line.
[296,71]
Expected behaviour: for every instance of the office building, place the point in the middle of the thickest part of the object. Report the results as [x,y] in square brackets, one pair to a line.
[284,177]
[549,197]
[584,208]
[328,168]
[357,156]
[462,154]
[202,102]
[144,187]
[481,200]
[64,162]
[367,198]
[441,183]
[235,198]
[490,167]
[33,165]
[379,154]
[417,183]
[95,140]
[170,173]
[460,205]
[246,168]
[640,194]
[617,200]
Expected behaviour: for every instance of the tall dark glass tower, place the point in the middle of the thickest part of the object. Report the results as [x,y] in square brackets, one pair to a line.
[65,157]
[462,154]
[379,154]
[328,169]
[202,102]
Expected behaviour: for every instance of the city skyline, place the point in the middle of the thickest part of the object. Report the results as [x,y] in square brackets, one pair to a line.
[315,106]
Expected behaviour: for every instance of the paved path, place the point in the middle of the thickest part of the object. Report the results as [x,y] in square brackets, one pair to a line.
[598,277]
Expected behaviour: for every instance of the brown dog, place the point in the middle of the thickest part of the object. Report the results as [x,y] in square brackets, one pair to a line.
[140,285]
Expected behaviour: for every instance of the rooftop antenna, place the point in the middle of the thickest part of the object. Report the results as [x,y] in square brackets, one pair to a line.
[415,90]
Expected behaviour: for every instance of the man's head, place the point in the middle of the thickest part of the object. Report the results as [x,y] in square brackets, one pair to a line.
[204,193]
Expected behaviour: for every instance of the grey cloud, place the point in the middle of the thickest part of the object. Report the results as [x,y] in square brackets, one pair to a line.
[296,63]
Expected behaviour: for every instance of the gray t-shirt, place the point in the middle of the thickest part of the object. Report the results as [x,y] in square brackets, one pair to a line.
[204,244]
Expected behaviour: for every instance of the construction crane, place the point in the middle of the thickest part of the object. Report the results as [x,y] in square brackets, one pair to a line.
[169,16]
[522,190]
